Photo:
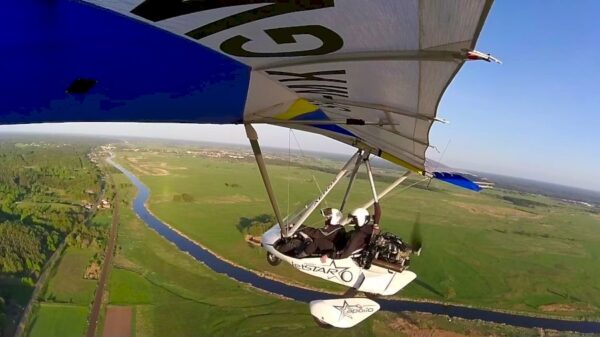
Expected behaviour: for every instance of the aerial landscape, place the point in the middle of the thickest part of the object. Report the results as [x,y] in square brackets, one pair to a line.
[299,168]
[540,251]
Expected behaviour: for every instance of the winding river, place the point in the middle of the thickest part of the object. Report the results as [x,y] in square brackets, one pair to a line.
[306,295]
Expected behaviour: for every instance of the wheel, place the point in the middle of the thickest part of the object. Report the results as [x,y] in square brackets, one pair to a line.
[272,259]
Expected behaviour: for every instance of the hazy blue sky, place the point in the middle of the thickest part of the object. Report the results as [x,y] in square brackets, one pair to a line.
[535,116]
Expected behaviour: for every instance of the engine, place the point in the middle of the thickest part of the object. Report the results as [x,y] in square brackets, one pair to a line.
[388,251]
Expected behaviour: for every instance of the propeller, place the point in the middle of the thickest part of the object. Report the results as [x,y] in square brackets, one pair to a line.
[416,240]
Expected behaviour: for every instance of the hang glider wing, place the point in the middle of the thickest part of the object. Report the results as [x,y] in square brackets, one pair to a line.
[369,74]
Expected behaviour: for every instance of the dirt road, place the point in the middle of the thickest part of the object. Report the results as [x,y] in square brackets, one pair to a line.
[110,250]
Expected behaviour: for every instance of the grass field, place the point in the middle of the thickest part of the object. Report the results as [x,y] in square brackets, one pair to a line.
[497,249]
[67,284]
[67,294]
[171,294]
[59,320]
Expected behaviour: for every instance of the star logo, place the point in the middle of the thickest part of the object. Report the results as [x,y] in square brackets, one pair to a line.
[346,310]
[340,273]
[343,310]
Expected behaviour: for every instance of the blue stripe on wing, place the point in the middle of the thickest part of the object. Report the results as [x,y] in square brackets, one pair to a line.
[457,179]
[141,73]
[319,115]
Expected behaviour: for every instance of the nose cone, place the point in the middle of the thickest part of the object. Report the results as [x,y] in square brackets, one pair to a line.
[271,236]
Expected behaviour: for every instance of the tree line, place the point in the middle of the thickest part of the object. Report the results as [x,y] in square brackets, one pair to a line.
[43,190]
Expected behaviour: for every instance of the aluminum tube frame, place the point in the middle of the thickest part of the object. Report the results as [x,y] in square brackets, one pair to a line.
[371,181]
[388,189]
[352,178]
[313,205]
[385,192]
[253,137]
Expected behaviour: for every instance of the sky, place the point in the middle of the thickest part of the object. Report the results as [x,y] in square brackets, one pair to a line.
[535,116]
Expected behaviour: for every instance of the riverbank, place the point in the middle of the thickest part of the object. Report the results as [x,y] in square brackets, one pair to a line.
[275,277]
[171,294]
[188,245]
[265,275]
[551,258]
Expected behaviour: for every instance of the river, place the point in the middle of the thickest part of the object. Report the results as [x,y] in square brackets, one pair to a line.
[306,295]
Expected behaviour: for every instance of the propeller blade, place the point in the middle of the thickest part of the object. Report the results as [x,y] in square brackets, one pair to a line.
[428,287]
[416,240]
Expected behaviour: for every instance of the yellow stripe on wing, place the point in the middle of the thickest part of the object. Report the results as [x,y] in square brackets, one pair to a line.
[298,108]
[400,162]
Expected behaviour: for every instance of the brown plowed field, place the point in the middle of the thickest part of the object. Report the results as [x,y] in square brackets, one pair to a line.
[118,322]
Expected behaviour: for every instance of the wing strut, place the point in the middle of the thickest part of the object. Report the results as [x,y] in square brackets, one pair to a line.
[352,177]
[393,185]
[253,137]
[388,189]
[313,205]
[370,173]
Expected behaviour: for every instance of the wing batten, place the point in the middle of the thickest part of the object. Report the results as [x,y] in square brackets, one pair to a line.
[392,55]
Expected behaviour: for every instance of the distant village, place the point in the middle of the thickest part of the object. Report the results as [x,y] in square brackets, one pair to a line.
[42,144]
[216,153]
[100,152]
[95,157]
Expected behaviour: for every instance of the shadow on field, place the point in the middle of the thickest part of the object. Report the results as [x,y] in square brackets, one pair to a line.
[428,287]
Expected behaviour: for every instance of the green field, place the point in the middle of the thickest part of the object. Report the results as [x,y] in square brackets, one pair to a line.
[59,320]
[496,249]
[174,295]
[67,284]
[67,294]
[171,294]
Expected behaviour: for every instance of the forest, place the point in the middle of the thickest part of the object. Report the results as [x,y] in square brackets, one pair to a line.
[44,188]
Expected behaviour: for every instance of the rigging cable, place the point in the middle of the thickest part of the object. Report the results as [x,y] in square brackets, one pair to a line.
[441,157]
[312,175]
[411,185]
[288,171]
[445,149]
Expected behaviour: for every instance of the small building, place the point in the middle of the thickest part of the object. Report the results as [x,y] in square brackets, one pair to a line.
[104,204]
